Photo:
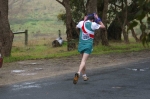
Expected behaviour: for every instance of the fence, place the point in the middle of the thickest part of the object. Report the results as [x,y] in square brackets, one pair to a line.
[26,35]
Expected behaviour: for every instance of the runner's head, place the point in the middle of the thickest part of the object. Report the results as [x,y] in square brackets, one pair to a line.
[90,17]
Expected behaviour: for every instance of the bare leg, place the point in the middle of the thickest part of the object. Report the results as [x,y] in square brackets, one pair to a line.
[81,69]
[84,70]
[82,64]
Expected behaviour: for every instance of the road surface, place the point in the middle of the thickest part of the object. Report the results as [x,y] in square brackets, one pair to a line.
[130,81]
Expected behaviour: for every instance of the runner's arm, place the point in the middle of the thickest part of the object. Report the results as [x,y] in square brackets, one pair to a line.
[99,21]
[101,25]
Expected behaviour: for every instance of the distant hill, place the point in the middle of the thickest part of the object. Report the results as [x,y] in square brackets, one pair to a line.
[38,16]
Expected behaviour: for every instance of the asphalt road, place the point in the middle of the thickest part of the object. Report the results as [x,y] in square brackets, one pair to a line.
[129,81]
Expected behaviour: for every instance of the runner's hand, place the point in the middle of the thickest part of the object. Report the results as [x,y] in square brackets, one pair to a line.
[85,18]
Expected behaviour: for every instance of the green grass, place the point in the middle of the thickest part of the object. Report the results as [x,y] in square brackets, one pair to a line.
[38,52]
[43,50]
[34,27]
[118,48]
[36,16]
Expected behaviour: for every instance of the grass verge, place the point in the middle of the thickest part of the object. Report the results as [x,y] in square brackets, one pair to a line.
[45,51]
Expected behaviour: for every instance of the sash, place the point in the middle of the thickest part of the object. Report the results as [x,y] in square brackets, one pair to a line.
[86,31]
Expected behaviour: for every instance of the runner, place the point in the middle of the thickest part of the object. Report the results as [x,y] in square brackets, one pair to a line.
[91,22]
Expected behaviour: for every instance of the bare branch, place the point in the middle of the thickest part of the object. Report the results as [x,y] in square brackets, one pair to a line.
[60,2]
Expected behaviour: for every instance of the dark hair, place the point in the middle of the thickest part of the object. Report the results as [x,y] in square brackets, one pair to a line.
[90,17]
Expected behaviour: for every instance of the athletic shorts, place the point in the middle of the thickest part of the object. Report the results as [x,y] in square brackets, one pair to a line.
[85,48]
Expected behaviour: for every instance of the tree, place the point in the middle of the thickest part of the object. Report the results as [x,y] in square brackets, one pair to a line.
[144,12]
[6,35]
[132,31]
[100,35]
[104,17]
[116,12]
[70,25]
[91,7]
[124,13]
[143,8]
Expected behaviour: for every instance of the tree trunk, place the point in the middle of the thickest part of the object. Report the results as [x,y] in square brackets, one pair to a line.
[124,14]
[134,35]
[70,25]
[125,35]
[104,17]
[144,35]
[91,7]
[6,35]
[69,31]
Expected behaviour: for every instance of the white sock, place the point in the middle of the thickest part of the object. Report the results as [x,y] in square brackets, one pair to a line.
[84,75]
[78,73]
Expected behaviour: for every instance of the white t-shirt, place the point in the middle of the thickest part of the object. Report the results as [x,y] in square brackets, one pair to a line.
[94,25]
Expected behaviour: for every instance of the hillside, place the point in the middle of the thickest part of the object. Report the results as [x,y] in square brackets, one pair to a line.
[38,16]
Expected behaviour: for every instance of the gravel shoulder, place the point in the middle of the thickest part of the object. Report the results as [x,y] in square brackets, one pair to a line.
[15,72]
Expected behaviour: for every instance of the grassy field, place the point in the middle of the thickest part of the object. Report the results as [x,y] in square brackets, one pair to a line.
[36,16]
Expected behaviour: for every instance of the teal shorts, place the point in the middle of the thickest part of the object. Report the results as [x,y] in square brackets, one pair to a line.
[85,48]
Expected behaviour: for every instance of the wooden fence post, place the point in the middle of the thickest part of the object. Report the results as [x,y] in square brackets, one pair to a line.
[59,33]
[26,37]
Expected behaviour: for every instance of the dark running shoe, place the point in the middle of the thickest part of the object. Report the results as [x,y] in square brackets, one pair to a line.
[75,79]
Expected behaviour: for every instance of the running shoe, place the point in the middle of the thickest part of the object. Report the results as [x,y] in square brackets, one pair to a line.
[75,79]
[85,78]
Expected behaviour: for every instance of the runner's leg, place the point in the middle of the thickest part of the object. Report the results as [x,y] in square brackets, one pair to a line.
[82,64]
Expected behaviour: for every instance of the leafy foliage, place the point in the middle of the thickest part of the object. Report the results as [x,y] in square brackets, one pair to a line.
[62,16]
[132,24]
[78,9]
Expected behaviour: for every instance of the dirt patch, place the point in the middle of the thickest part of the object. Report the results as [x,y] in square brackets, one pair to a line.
[20,71]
